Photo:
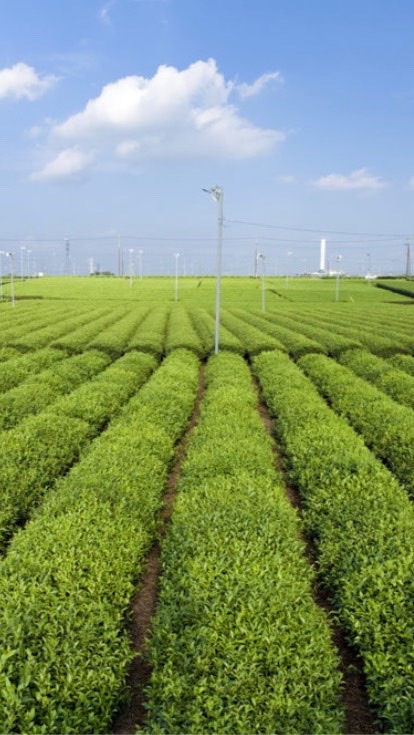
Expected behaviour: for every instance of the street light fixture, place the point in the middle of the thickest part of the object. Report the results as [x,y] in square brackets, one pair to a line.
[216,192]
[176,256]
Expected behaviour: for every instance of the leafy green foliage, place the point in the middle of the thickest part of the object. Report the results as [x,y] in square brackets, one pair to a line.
[41,390]
[238,643]
[68,577]
[181,333]
[386,426]
[253,339]
[396,383]
[363,525]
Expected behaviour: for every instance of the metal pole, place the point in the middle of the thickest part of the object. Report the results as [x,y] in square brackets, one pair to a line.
[1,274]
[263,285]
[338,259]
[11,256]
[131,250]
[176,255]
[218,195]
[140,263]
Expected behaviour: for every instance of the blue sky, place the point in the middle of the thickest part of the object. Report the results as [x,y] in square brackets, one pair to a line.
[115,115]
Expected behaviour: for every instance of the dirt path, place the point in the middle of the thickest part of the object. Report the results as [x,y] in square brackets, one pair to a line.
[144,603]
[359,719]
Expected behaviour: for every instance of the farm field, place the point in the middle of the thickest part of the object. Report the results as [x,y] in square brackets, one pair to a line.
[201,543]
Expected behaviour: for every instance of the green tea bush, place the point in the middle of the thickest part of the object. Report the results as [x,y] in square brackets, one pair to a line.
[386,427]
[238,644]
[68,578]
[204,324]
[363,525]
[296,344]
[252,339]
[396,383]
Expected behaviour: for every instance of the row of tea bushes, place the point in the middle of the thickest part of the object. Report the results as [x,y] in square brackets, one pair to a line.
[205,324]
[403,362]
[77,339]
[252,339]
[99,400]
[26,323]
[68,578]
[20,367]
[296,344]
[363,525]
[40,390]
[377,343]
[150,337]
[115,338]
[386,427]
[396,383]
[331,343]
[181,333]
[38,338]
[238,643]
[34,454]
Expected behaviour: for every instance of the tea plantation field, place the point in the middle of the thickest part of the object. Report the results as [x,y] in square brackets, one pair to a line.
[253,479]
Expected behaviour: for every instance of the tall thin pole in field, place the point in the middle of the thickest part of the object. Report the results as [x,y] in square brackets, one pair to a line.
[217,194]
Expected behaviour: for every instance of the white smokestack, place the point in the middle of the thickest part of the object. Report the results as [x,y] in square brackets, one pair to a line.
[322,264]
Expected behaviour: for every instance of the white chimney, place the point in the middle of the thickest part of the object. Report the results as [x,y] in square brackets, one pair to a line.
[322,264]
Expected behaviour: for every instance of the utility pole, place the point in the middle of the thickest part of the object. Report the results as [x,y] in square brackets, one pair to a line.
[67,268]
[408,261]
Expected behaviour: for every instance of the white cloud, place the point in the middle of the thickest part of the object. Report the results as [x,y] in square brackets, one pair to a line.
[248,90]
[70,163]
[104,13]
[22,81]
[359,180]
[172,114]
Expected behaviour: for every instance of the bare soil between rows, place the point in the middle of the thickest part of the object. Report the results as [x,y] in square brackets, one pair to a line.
[145,601]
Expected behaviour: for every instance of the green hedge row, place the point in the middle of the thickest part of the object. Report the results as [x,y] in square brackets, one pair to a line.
[252,339]
[386,427]
[181,333]
[396,383]
[77,339]
[238,644]
[204,324]
[41,390]
[363,525]
[67,580]
[115,337]
[28,322]
[332,343]
[379,344]
[29,466]
[17,369]
[37,338]
[296,344]
[100,399]
[403,362]
[150,336]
